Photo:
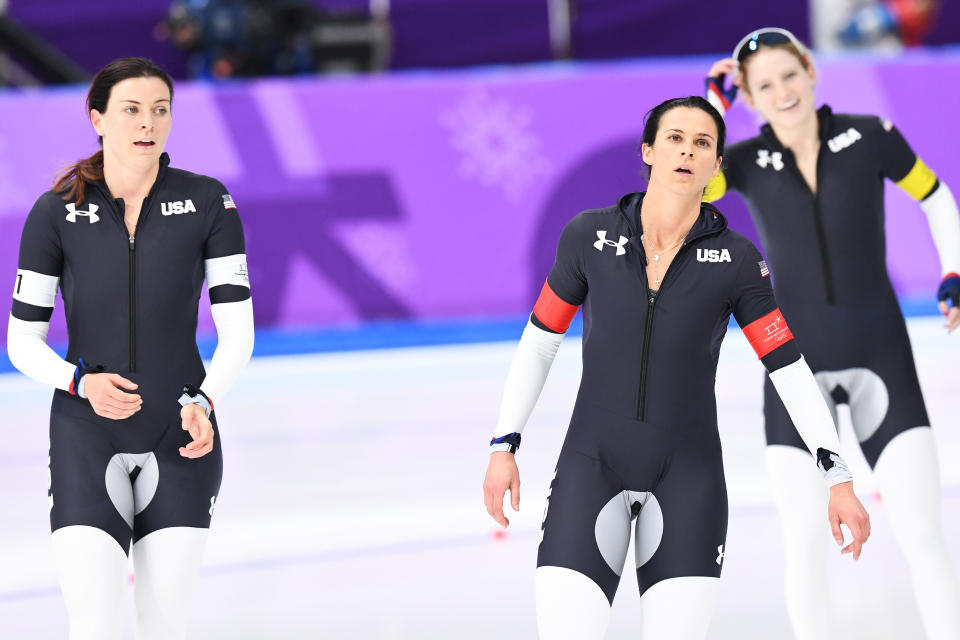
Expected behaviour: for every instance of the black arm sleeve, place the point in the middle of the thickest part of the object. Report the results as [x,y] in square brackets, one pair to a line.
[756,311]
[567,277]
[40,264]
[225,251]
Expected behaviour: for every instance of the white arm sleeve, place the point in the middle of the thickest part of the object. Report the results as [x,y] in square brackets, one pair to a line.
[525,380]
[28,351]
[234,322]
[944,221]
[804,401]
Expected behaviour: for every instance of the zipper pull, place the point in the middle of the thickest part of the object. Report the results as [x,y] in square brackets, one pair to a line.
[131,242]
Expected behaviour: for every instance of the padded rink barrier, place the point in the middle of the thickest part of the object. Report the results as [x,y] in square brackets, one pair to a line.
[435,196]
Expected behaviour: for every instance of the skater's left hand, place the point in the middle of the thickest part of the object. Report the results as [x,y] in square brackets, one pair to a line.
[949,292]
[195,422]
[845,508]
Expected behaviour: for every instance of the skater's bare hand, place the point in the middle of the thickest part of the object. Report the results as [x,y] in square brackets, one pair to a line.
[502,475]
[952,314]
[196,422]
[106,395]
[726,67]
[845,508]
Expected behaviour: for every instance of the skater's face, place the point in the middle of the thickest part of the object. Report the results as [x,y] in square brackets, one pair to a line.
[779,83]
[136,122]
[683,156]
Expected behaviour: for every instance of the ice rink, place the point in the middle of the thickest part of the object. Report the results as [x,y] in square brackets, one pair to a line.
[351,504]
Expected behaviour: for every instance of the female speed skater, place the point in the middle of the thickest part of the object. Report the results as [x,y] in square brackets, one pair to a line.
[135,451]
[658,276]
[813,181]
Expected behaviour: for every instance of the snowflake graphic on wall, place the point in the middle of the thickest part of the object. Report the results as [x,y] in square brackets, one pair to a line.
[496,143]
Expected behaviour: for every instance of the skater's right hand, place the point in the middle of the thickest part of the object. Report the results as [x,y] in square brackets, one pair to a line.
[721,98]
[107,400]
[725,67]
[502,474]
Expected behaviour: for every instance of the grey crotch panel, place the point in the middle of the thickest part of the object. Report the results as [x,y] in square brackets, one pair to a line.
[612,529]
[649,529]
[131,480]
[867,396]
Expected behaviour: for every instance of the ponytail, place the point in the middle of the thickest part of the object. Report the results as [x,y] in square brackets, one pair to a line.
[71,182]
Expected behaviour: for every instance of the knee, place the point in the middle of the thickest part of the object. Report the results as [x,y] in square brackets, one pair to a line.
[920,536]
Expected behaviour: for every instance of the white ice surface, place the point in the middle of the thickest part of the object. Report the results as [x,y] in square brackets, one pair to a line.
[351,504]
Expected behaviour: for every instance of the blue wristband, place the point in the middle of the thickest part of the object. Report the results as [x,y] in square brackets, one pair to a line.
[950,289]
[509,442]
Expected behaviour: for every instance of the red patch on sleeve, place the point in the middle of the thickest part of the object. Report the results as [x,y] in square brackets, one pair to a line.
[552,311]
[767,333]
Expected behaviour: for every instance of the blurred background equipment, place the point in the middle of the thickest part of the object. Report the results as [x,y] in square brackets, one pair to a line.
[29,60]
[247,38]
[880,25]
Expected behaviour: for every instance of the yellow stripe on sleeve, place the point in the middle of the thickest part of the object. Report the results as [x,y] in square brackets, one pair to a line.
[717,187]
[919,181]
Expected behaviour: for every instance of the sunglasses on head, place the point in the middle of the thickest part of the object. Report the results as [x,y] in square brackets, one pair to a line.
[770,35]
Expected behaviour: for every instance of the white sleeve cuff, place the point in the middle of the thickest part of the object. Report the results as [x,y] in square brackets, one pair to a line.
[234,322]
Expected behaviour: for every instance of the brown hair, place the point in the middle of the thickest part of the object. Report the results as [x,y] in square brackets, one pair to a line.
[70,182]
[802,55]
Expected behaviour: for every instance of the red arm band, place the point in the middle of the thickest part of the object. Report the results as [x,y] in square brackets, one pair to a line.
[767,333]
[552,311]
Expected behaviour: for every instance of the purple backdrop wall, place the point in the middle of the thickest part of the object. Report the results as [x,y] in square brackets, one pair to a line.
[442,195]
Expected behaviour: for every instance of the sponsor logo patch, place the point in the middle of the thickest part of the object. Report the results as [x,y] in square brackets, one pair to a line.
[90,214]
[603,242]
[765,159]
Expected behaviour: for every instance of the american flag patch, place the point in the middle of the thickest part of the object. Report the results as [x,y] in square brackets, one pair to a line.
[228,202]
[764,272]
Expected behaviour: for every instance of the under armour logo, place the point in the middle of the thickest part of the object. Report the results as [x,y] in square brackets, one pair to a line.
[764,158]
[720,555]
[599,244]
[213,505]
[73,213]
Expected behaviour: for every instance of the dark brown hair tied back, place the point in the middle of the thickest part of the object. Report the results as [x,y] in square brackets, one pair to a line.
[71,182]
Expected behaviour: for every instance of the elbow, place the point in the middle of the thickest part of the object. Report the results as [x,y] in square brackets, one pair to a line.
[247,347]
[18,347]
